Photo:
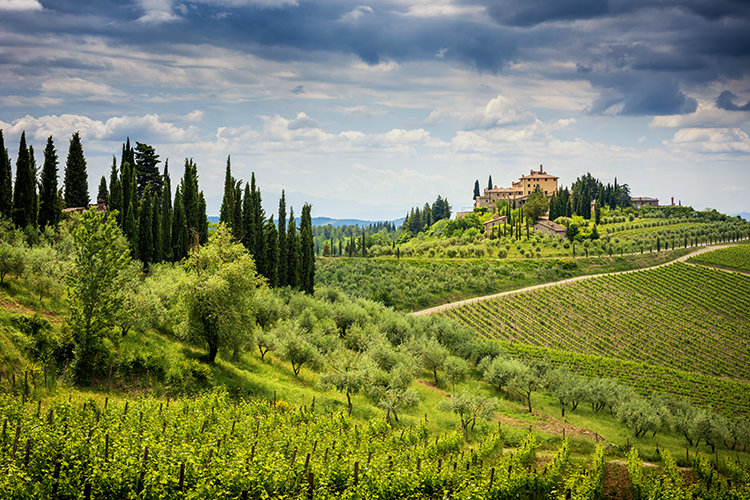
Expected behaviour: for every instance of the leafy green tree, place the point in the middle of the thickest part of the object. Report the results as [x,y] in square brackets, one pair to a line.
[24,193]
[431,353]
[455,370]
[217,294]
[470,407]
[297,346]
[6,181]
[348,373]
[571,231]
[536,205]
[95,289]
[307,251]
[76,177]
[147,170]
[50,210]
[12,260]
[641,415]
[45,271]
[103,192]
[269,309]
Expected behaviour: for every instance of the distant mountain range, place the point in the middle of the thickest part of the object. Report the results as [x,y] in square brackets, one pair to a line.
[322,221]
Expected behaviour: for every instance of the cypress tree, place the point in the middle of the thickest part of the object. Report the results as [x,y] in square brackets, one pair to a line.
[115,191]
[259,216]
[307,251]
[226,213]
[156,229]
[247,219]
[49,202]
[127,191]
[103,192]
[238,228]
[146,228]
[146,170]
[166,215]
[24,193]
[76,178]
[189,190]
[6,181]
[131,230]
[489,183]
[292,248]
[180,238]
[272,252]
[202,220]
[476,190]
[282,268]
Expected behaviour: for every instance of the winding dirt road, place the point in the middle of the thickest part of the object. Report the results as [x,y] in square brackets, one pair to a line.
[433,310]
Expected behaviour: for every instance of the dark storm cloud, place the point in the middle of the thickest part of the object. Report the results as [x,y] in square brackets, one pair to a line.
[639,54]
[725,101]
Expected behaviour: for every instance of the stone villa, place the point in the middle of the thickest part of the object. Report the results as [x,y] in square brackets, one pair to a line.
[519,190]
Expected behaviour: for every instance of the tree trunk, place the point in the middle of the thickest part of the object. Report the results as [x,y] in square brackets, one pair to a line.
[434,372]
[349,400]
[213,350]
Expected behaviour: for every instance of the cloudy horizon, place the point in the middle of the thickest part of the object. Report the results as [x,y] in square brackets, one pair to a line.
[371,108]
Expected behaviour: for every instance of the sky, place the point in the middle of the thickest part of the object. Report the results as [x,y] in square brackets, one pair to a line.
[365,109]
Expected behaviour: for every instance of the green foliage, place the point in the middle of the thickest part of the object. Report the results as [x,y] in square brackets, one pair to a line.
[735,257]
[217,294]
[24,192]
[95,289]
[470,407]
[76,178]
[536,205]
[6,181]
[49,200]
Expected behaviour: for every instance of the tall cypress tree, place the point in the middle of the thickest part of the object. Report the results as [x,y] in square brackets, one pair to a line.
[180,238]
[166,215]
[238,227]
[130,230]
[156,229]
[6,181]
[259,216]
[248,227]
[115,191]
[476,190]
[76,177]
[189,188]
[307,251]
[226,212]
[202,219]
[282,268]
[146,169]
[146,228]
[49,202]
[103,192]
[272,252]
[489,183]
[24,193]
[292,245]
[127,190]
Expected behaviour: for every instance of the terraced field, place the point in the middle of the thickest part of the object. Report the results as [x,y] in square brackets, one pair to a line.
[736,257]
[680,318]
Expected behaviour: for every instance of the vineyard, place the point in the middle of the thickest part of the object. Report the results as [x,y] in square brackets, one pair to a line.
[735,257]
[677,317]
[219,447]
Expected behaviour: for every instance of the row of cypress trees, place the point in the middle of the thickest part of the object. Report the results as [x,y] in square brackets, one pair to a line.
[284,256]
[158,228]
[31,210]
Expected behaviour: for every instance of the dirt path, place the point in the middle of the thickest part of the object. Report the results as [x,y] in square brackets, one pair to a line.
[684,258]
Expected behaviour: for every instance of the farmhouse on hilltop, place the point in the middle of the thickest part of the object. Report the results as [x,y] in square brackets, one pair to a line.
[519,190]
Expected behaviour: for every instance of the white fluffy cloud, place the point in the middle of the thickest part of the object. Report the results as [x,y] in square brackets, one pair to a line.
[20,5]
[707,115]
[710,140]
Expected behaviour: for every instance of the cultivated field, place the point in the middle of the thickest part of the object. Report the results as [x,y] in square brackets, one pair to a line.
[736,257]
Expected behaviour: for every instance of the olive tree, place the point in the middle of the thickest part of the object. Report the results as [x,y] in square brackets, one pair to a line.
[469,407]
[217,293]
[348,372]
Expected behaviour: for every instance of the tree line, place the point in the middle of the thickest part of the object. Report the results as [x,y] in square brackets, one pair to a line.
[159,228]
